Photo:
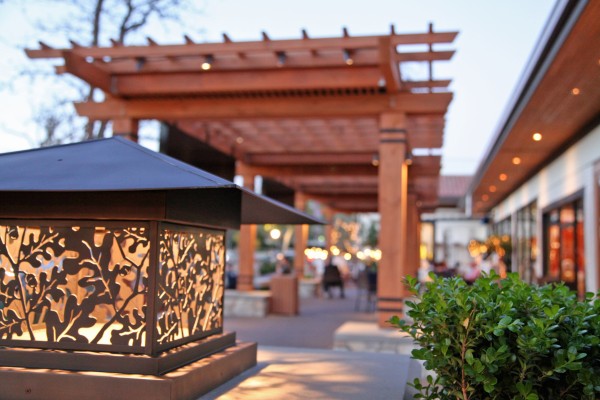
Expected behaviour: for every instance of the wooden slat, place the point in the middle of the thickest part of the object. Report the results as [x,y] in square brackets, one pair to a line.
[216,81]
[425,56]
[349,203]
[308,170]
[424,38]
[389,65]
[312,158]
[89,72]
[444,83]
[418,172]
[344,190]
[355,42]
[239,61]
[295,107]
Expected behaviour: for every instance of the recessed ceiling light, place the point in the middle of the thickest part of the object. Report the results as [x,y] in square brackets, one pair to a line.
[492,188]
[516,160]
[503,177]
[537,136]
[239,140]
[575,91]
[485,197]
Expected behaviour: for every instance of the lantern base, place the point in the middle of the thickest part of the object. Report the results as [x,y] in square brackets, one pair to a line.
[115,362]
[185,383]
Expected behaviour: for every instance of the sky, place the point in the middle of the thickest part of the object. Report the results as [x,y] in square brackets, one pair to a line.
[495,41]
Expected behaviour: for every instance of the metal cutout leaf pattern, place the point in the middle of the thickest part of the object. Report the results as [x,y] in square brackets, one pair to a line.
[190,283]
[79,284]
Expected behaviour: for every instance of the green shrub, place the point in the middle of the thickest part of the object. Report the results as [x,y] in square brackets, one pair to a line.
[267,267]
[504,339]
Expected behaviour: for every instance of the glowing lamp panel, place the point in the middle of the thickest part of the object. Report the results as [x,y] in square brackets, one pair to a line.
[82,286]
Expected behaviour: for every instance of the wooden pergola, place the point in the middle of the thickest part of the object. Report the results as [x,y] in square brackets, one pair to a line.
[333,119]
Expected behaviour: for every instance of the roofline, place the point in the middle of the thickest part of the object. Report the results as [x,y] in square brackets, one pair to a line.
[562,19]
[56,146]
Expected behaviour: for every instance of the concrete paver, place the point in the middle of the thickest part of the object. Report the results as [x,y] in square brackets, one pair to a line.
[296,360]
[294,373]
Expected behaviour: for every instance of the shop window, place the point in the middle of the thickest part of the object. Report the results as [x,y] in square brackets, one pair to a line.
[564,238]
[502,231]
[526,242]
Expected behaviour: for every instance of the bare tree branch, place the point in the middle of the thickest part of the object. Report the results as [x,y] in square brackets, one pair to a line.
[89,23]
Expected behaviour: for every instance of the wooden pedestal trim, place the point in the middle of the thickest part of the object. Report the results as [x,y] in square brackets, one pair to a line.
[186,383]
[121,363]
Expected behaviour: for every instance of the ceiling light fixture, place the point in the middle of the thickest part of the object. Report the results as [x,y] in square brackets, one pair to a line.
[348,57]
[139,63]
[375,160]
[208,62]
[537,136]
[516,160]
[281,58]
[503,177]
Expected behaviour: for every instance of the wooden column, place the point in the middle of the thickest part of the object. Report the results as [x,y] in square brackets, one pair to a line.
[300,237]
[126,127]
[246,246]
[328,216]
[393,212]
[413,258]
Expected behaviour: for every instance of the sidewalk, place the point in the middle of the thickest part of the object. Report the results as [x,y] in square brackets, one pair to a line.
[293,373]
[296,360]
[313,328]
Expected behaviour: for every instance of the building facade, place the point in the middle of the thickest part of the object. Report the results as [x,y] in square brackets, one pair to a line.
[553,219]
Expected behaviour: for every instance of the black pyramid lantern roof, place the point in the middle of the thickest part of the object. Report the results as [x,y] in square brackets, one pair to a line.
[117,165]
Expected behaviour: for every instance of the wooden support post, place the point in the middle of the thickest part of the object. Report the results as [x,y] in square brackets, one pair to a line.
[300,237]
[328,215]
[418,247]
[246,246]
[414,236]
[393,190]
[127,128]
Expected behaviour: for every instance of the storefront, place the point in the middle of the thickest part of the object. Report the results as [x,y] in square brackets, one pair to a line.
[564,241]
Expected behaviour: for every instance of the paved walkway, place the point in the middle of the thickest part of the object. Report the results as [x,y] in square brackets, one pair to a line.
[295,360]
[293,373]
[313,328]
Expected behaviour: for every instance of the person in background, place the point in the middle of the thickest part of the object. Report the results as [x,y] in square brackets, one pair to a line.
[473,273]
[332,278]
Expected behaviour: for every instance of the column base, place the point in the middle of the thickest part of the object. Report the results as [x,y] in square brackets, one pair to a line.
[388,307]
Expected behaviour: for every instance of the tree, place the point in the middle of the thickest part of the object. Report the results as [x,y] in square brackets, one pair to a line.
[91,23]
[372,238]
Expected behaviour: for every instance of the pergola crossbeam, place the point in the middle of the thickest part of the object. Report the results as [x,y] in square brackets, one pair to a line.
[267,46]
[273,107]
